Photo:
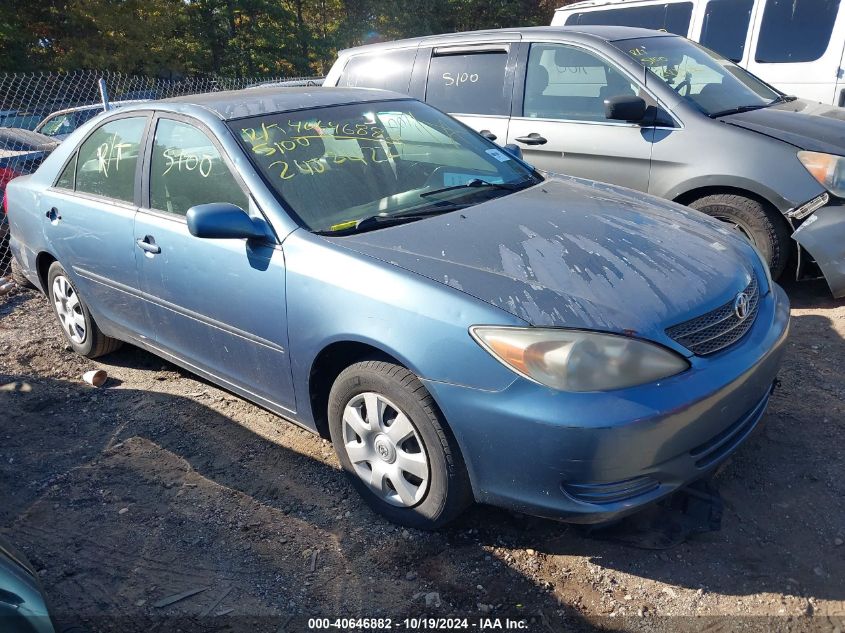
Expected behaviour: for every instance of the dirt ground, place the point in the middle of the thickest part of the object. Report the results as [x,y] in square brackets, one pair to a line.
[159,483]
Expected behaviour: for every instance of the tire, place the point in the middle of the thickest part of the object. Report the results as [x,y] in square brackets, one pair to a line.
[412,501]
[18,277]
[763,227]
[77,324]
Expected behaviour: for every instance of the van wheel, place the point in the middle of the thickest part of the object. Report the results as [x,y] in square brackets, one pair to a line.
[763,227]
[18,277]
[76,322]
[393,444]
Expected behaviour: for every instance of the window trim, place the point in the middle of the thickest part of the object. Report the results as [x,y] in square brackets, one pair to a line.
[145,203]
[134,114]
[519,88]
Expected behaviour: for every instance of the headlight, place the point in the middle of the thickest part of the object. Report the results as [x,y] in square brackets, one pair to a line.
[573,360]
[828,169]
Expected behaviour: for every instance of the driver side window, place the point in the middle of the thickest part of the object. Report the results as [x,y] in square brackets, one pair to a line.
[567,83]
[187,170]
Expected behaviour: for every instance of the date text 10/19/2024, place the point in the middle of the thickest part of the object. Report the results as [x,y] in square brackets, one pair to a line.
[418,624]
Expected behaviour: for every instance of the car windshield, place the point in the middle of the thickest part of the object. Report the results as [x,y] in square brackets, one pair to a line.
[337,166]
[712,83]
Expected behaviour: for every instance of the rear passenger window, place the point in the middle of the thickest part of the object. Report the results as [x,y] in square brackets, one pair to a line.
[673,17]
[795,30]
[564,82]
[387,71]
[187,170]
[107,160]
[726,27]
[469,83]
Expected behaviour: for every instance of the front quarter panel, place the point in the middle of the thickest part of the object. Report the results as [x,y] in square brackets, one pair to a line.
[337,295]
[708,153]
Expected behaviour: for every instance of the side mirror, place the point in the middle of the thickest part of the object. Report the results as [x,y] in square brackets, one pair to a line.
[222,220]
[625,108]
[514,150]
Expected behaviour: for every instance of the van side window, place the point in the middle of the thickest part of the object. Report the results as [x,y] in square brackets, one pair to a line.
[726,27]
[795,30]
[472,83]
[107,159]
[387,71]
[673,17]
[564,82]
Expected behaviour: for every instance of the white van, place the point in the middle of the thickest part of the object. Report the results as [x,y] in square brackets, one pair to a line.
[795,45]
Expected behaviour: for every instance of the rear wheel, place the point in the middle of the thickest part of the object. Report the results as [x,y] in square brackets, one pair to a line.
[76,322]
[760,225]
[394,446]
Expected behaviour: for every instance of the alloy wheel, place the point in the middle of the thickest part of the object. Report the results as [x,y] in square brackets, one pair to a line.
[69,309]
[385,449]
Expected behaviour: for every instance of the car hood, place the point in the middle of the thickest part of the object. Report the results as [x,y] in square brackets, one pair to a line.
[805,124]
[574,253]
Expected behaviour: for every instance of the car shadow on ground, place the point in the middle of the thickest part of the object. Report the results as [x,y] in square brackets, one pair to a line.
[124,496]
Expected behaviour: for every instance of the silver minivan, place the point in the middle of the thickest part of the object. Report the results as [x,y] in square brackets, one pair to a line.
[643,109]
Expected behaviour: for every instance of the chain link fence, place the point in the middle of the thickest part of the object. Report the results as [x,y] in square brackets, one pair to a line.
[37,110]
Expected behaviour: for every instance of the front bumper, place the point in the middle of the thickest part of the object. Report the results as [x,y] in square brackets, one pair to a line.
[593,457]
[822,235]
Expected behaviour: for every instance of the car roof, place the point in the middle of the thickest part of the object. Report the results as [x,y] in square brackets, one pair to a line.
[237,104]
[594,32]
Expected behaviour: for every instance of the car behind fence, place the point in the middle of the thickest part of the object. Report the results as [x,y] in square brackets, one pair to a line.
[27,101]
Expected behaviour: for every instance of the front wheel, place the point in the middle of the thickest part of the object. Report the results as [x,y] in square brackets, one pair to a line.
[76,322]
[763,227]
[394,446]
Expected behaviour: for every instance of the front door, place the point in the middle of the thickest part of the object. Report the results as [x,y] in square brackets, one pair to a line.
[562,127]
[218,305]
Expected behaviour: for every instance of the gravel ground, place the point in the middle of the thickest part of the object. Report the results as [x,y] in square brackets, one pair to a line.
[160,483]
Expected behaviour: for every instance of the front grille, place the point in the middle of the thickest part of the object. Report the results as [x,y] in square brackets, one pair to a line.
[714,331]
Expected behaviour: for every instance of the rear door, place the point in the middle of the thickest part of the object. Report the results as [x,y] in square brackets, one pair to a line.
[88,218]
[559,120]
[473,83]
[218,305]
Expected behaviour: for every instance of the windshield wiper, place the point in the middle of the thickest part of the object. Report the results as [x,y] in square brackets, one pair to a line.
[737,110]
[478,182]
[378,221]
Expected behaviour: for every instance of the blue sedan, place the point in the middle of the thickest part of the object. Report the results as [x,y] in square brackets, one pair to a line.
[462,326]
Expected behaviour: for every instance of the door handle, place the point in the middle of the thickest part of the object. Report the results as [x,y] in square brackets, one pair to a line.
[53,215]
[532,139]
[488,135]
[148,244]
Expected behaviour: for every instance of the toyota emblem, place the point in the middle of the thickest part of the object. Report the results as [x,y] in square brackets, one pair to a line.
[742,306]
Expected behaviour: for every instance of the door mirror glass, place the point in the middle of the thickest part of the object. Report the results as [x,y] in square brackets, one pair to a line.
[625,108]
[222,220]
